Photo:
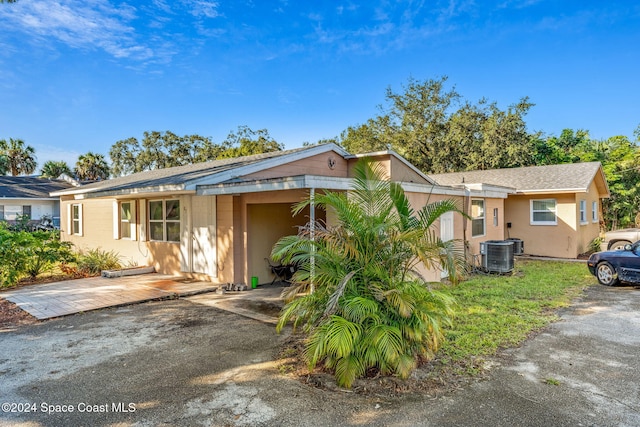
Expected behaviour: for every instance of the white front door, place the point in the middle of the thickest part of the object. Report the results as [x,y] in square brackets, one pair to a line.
[203,249]
[446,232]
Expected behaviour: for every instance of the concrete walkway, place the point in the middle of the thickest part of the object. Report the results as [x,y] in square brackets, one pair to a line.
[81,295]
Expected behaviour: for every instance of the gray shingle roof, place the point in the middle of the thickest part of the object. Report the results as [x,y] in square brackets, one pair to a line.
[564,177]
[29,187]
[180,176]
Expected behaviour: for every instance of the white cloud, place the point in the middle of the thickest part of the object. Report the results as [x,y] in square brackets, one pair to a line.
[79,24]
[206,8]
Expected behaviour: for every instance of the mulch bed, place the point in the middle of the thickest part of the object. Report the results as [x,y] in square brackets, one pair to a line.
[11,315]
[430,379]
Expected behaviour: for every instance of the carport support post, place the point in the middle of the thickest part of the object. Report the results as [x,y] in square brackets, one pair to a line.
[312,232]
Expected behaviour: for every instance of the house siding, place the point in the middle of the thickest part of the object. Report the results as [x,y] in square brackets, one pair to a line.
[97,232]
[402,173]
[492,232]
[418,201]
[314,165]
[225,238]
[562,240]
[589,231]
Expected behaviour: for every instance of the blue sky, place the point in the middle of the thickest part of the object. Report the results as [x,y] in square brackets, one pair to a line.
[79,75]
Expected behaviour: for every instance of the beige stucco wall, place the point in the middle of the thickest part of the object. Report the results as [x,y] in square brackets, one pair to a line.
[492,231]
[315,165]
[224,238]
[97,232]
[591,229]
[402,173]
[393,169]
[418,201]
[266,217]
[568,238]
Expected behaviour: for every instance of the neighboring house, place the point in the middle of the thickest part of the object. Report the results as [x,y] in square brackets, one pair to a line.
[219,220]
[555,210]
[28,195]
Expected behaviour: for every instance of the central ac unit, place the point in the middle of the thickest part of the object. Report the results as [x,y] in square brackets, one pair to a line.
[497,256]
[518,245]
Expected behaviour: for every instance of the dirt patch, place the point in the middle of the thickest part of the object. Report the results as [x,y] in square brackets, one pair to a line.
[430,379]
[263,307]
[11,315]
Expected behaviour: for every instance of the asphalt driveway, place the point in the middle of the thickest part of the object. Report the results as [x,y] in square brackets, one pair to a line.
[186,363]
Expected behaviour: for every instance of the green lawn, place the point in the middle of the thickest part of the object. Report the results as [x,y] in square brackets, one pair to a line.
[495,312]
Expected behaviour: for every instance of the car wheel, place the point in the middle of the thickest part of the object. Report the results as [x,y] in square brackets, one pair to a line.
[606,274]
[619,245]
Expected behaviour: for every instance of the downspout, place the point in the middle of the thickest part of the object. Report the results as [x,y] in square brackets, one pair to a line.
[465,208]
[312,233]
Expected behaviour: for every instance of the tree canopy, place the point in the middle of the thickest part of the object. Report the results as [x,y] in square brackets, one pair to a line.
[435,129]
[159,150]
[91,167]
[53,169]
[20,158]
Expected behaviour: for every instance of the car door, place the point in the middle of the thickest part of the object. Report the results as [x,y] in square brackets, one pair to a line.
[630,266]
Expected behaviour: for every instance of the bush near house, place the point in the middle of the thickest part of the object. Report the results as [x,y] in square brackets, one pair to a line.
[368,309]
[25,254]
[92,261]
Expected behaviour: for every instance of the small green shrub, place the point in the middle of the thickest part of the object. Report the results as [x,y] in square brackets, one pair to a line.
[44,251]
[29,254]
[93,261]
[594,246]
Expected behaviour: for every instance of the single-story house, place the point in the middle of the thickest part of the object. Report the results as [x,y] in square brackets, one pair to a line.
[29,195]
[218,220]
[555,210]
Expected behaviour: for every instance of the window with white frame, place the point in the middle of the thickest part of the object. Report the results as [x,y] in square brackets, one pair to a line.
[164,220]
[594,211]
[126,220]
[544,212]
[26,211]
[583,212]
[76,219]
[477,217]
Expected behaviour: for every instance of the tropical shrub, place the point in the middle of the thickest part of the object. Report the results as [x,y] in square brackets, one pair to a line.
[29,254]
[44,251]
[91,262]
[357,292]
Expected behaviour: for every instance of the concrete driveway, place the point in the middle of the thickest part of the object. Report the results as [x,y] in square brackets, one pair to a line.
[186,363]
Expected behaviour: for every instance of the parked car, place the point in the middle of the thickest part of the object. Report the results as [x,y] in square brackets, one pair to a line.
[617,239]
[612,267]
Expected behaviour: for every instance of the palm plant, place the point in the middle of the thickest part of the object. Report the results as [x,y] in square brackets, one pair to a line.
[358,293]
[4,164]
[21,158]
[53,169]
[91,167]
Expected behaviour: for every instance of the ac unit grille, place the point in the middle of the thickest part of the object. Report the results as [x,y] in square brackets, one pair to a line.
[497,256]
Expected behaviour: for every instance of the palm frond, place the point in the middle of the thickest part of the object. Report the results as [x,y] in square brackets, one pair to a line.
[332,304]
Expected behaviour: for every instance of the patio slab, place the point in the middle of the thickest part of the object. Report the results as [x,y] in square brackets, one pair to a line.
[75,296]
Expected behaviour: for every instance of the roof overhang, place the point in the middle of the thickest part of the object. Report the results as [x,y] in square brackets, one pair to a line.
[340,184]
[48,199]
[275,184]
[484,190]
[143,192]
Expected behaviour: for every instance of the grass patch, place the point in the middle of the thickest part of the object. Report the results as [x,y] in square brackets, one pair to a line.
[495,312]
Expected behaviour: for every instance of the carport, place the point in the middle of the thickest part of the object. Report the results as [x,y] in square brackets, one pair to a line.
[253,215]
